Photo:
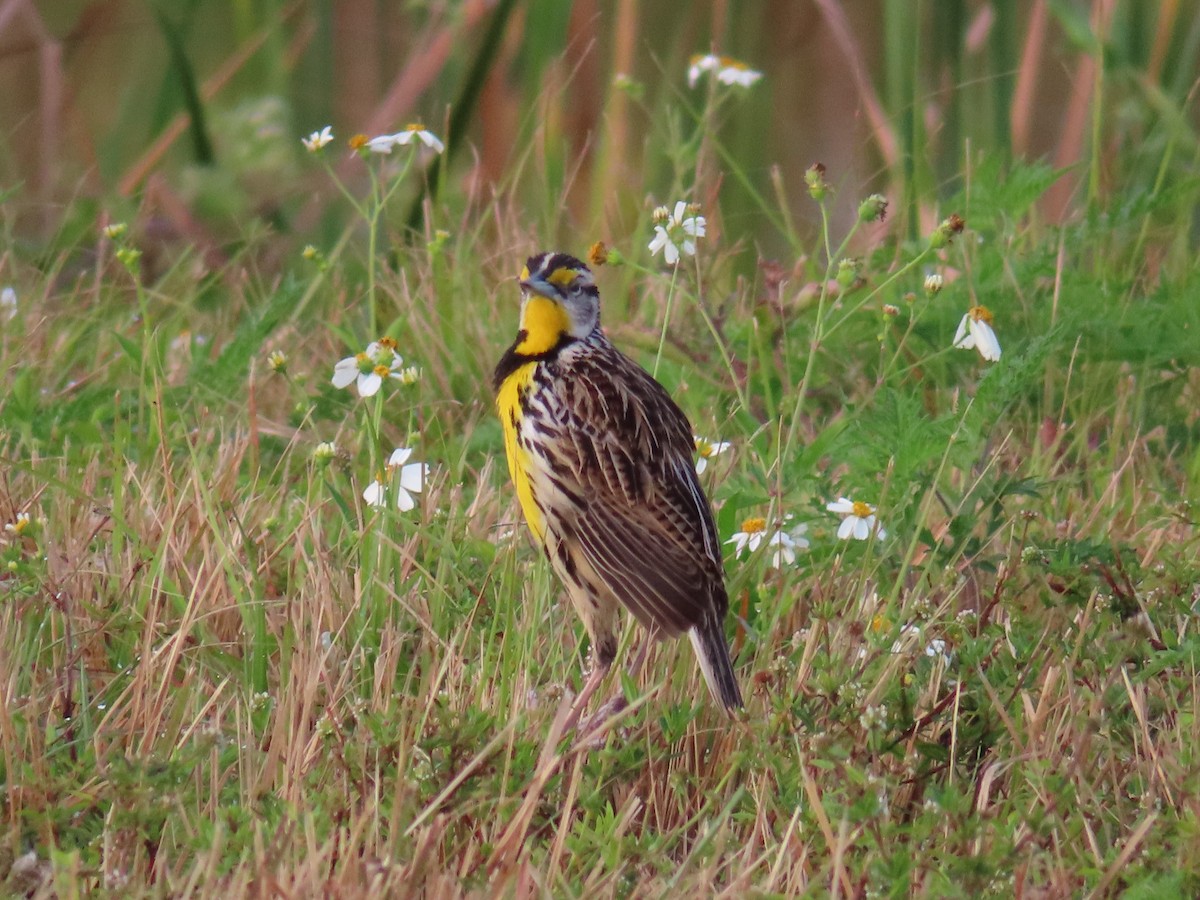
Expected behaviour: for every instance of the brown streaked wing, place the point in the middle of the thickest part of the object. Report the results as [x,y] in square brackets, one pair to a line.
[645,525]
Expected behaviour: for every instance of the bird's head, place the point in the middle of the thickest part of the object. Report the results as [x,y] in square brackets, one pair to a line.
[559,300]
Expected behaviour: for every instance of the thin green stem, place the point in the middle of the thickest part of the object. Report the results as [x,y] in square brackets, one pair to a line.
[662,337]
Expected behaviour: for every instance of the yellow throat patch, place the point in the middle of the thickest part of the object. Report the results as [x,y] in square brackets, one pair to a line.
[544,321]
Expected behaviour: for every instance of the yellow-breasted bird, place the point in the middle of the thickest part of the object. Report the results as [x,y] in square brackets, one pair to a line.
[601,458]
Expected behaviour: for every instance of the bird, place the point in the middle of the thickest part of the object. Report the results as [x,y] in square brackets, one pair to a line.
[601,459]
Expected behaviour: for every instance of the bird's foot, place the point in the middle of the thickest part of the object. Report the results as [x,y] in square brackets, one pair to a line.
[595,730]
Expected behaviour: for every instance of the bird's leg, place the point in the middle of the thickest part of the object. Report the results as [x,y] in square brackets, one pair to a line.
[590,686]
[617,702]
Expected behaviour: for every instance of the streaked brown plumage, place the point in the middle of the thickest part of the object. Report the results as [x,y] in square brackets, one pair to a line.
[601,457]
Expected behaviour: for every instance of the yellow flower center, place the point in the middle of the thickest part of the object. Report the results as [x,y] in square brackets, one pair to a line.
[754,524]
[389,343]
[358,142]
[382,371]
[414,126]
[704,448]
[981,314]
[862,510]
[365,363]
[729,63]
[598,254]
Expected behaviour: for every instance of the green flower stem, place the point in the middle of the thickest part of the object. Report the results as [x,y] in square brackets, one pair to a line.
[662,337]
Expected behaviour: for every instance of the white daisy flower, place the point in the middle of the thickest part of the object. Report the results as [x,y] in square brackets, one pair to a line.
[386,142]
[799,534]
[858,519]
[20,526]
[8,304]
[754,534]
[318,139]
[785,549]
[368,370]
[754,531]
[706,450]
[729,71]
[975,333]
[676,232]
[403,477]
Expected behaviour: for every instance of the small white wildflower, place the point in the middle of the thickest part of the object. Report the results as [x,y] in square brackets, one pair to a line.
[754,534]
[677,233]
[933,284]
[385,143]
[785,549]
[975,333]
[411,480]
[325,452]
[754,531]
[20,526]
[729,71]
[706,450]
[858,519]
[318,139]
[368,369]
[8,304]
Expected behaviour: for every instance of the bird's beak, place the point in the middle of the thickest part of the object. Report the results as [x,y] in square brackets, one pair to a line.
[535,285]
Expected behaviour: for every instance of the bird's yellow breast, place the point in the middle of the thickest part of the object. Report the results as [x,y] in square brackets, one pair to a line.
[508,403]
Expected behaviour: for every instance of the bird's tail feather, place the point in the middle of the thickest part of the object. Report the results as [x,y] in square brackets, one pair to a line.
[708,639]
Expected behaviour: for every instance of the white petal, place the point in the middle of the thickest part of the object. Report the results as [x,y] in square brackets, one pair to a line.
[431,140]
[840,505]
[660,239]
[404,500]
[846,528]
[985,340]
[375,494]
[369,384]
[961,336]
[689,247]
[399,457]
[680,209]
[880,532]
[862,527]
[412,477]
[719,447]
[344,372]
[373,349]
[701,465]
[671,253]
[754,540]
[385,142]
